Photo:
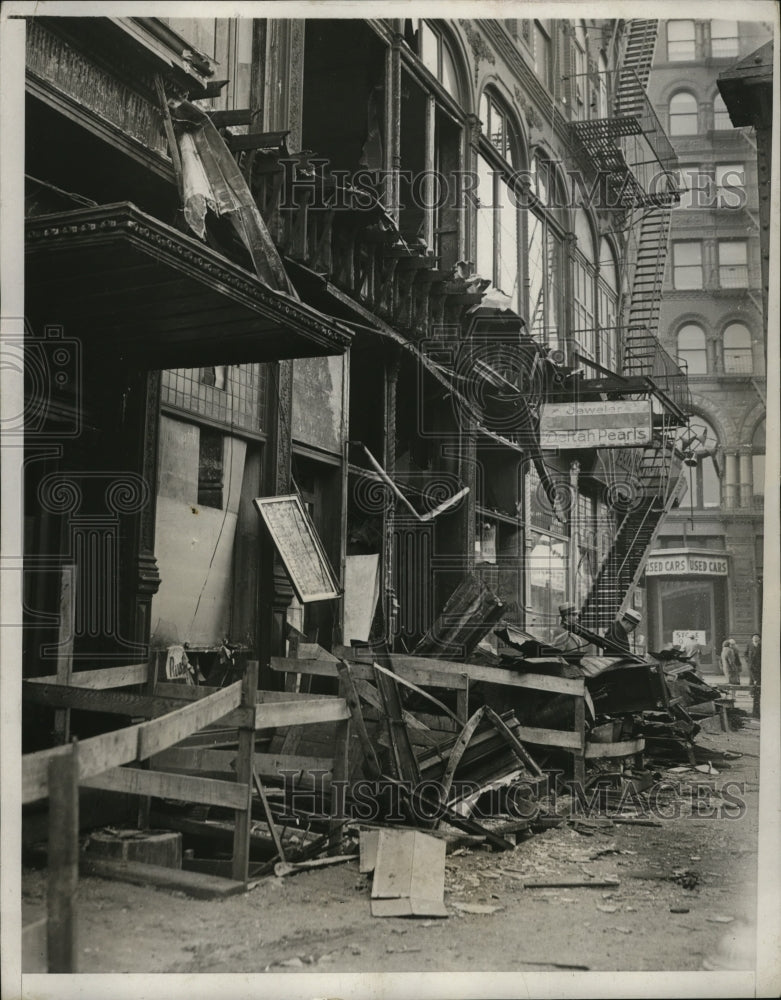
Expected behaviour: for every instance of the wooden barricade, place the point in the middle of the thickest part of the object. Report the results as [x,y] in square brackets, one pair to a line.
[174,713]
[429,672]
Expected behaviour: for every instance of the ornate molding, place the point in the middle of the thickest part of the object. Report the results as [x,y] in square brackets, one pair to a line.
[126,222]
[480,48]
[533,120]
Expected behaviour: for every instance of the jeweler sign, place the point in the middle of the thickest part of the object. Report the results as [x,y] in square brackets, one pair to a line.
[602,424]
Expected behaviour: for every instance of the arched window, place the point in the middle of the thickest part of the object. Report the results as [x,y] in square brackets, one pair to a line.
[544,253]
[691,349]
[680,40]
[499,221]
[431,131]
[579,88]
[438,58]
[758,459]
[701,443]
[607,306]
[721,118]
[602,108]
[683,114]
[738,358]
[583,281]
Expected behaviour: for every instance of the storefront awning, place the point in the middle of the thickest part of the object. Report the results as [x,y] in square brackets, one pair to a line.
[139,290]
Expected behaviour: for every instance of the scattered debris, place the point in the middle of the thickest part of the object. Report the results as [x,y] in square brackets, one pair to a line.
[409,875]
[476,907]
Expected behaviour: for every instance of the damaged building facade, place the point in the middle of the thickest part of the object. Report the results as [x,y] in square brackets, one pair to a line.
[433,321]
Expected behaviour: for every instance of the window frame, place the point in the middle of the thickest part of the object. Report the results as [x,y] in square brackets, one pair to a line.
[721,119]
[734,51]
[676,268]
[683,353]
[740,278]
[688,56]
[722,191]
[677,116]
[740,352]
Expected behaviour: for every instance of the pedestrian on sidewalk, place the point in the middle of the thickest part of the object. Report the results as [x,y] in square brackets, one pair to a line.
[754,663]
[730,664]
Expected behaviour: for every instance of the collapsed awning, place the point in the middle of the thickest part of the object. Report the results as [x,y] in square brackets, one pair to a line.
[139,290]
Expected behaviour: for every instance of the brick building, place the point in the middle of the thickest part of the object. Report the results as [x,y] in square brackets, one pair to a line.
[454,225]
[707,571]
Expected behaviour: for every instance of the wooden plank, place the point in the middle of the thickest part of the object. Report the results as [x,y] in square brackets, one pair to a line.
[579,757]
[62,718]
[303,713]
[103,677]
[90,700]
[95,755]
[185,692]
[429,675]
[402,663]
[570,883]
[549,737]
[623,749]
[63,862]
[193,884]
[244,777]
[266,764]
[181,787]
[163,733]
[495,675]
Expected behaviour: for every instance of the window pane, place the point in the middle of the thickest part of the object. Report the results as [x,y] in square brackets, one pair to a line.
[737,350]
[429,45]
[683,114]
[721,119]
[680,40]
[536,266]
[552,294]
[687,265]
[724,38]
[730,185]
[508,247]
[733,272]
[485,219]
[711,487]
[542,54]
[448,77]
[691,349]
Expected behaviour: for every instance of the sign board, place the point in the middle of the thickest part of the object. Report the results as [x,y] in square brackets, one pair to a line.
[669,563]
[299,548]
[681,636]
[601,424]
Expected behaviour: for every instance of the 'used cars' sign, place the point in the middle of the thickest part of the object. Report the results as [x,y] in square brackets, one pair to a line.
[685,564]
[602,424]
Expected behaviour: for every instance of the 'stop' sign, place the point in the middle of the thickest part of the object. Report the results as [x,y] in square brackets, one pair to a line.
[668,563]
[602,424]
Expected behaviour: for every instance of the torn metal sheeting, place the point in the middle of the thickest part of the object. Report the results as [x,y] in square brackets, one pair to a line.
[409,875]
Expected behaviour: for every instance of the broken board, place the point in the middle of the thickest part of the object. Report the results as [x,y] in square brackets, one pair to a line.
[409,875]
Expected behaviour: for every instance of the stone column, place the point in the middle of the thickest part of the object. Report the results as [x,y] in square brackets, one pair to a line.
[746,477]
[731,480]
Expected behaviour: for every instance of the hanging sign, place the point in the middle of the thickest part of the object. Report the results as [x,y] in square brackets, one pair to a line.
[601,424]
[299,547]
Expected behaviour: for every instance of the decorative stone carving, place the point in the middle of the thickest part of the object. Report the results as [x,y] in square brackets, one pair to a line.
[480,48]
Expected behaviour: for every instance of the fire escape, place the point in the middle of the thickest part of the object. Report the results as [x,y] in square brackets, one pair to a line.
[630,156]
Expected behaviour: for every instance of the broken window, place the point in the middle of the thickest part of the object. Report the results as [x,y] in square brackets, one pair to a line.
[211,470]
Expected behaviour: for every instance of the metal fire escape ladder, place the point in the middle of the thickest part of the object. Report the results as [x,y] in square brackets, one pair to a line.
[656,487]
